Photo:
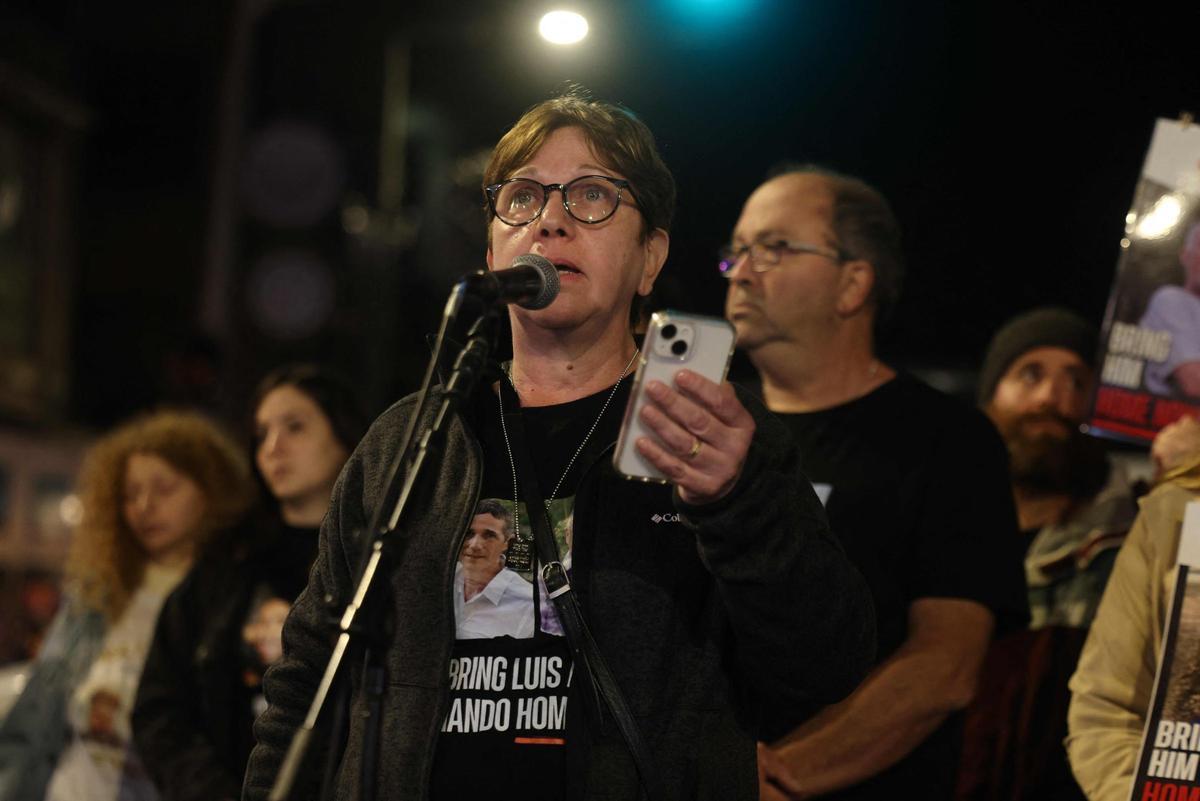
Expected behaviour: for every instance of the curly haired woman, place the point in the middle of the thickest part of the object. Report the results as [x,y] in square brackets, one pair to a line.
[154,491]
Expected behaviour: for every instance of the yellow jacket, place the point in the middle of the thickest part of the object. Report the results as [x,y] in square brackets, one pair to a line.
[1111,688]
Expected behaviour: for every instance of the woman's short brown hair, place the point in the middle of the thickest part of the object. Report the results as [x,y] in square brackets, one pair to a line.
[619,139]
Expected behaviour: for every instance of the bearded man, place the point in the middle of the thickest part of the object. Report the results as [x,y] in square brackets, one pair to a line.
[1074,509]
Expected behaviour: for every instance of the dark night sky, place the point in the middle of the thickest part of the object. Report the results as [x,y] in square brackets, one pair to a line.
[1009,139]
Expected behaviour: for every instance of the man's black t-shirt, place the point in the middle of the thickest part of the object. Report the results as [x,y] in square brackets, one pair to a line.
[505,730]
[916,487]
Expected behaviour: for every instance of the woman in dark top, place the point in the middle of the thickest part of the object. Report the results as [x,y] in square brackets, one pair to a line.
[201,687]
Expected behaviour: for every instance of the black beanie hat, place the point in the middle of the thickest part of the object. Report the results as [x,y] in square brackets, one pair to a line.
[1047,327]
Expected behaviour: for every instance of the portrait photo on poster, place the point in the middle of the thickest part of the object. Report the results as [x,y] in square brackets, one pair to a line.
[1150,344]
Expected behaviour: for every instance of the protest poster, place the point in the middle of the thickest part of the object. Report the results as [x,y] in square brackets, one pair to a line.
[1169,760]
[1150,343]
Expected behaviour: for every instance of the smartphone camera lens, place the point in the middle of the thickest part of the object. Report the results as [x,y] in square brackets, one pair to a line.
[679,347]
[668,331]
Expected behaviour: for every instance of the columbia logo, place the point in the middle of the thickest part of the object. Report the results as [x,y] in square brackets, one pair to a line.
[672,517]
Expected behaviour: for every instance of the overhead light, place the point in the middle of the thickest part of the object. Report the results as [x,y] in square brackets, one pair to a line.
[563,27]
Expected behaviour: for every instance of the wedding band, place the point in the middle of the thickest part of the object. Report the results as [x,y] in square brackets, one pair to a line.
[695,450]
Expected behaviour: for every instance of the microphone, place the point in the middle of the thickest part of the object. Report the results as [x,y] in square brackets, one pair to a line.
[531,283]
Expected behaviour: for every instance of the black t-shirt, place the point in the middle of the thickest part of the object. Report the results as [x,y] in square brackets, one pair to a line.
[916,487]
[505,729]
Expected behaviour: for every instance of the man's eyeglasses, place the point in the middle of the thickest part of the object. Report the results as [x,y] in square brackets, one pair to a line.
[589,198]
[766,256]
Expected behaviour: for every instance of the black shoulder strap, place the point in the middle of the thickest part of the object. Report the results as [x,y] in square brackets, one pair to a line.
[584,649]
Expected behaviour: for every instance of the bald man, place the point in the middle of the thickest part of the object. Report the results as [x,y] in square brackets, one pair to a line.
[915,485]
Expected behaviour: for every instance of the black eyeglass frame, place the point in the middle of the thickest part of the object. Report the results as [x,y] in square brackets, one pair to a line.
[729,256]
[620,183]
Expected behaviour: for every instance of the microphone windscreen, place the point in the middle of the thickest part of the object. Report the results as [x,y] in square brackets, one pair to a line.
[549,275]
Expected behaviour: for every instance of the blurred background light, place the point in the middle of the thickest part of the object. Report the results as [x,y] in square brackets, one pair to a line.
[563,27]
[293,175]
[356,219]
[70,509]
[706,10]
[291,293]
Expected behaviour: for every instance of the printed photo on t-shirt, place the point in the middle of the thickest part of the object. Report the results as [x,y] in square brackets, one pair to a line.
[493,580]
[508,688]
[262,641]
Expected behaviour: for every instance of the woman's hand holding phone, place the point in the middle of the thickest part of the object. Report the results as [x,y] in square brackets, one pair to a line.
[701,435]
[684,425]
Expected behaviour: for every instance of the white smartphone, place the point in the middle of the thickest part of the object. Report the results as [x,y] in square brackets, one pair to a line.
[674,341]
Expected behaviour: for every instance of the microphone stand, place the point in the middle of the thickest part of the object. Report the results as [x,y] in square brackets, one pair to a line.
[360,617]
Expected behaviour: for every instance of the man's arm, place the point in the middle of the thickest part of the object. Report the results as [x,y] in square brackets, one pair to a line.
[904,699]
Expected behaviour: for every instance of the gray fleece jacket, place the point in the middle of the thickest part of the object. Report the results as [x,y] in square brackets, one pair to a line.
[728,626]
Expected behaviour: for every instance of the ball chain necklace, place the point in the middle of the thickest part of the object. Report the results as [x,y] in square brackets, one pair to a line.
[508,446]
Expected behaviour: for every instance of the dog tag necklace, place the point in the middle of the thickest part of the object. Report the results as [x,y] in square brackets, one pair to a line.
[508,446]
